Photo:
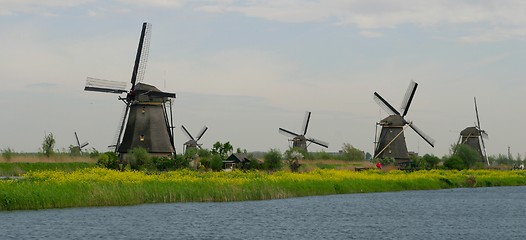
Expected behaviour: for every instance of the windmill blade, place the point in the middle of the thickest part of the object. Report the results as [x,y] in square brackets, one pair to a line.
[84,145]
[477,112]
[306,122]
[319,142]
[201,133]
[427,138]
[484,150]
[385,105]
[187,133]
[78,142]
[287,133]
[107,86]
[142,54]
[409,94]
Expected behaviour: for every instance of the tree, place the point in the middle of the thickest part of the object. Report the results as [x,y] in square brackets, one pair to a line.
[351,153]
[222,149]
[48,144]
[272,160]
[430,161]
[454,162]
[293,158]
[216,163]
[468,155]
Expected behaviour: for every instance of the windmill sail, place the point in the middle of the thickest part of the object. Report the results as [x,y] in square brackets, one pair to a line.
[141,57]
[101,85]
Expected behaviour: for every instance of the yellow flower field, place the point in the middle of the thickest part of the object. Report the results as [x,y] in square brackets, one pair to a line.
[103,187]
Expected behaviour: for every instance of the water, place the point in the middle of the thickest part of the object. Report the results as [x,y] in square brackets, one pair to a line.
[480,213]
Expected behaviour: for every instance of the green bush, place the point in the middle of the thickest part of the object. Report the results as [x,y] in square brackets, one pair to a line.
[272,160]
[108,160]
[163,163]
[454,162]
[351,153]
[180,162]
[216,163]
[138,157]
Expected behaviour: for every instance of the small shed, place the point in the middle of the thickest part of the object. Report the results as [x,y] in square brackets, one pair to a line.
[236,160]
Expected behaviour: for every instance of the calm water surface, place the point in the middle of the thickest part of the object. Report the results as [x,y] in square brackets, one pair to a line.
[481,213]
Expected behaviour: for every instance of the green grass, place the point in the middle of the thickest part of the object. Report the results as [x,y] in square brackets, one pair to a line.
[19,168]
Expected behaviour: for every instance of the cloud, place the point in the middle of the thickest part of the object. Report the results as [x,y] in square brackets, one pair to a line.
[501,20]
[47,7]
[371,34]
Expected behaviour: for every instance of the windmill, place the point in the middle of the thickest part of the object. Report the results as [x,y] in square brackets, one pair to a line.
[193,142]
[300,140]
[145,122]
[79,146]
[474,137]
[391,142]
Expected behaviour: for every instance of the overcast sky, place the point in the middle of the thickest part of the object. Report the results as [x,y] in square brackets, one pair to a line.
[246,68]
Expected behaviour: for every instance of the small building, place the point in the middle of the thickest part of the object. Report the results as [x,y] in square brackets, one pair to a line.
[236,160]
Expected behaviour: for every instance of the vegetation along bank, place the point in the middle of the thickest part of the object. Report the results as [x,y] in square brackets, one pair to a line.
[105,187]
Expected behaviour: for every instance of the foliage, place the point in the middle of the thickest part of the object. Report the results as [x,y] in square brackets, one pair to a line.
[108,160]
[138,157]
[426,162]
[222,149]
[48,145]
[385,161]
[7,153]
[216,163]
[463,157]
[454,162]
[351,153]
[272,160]
[190,154]
[203,153]
[293,158]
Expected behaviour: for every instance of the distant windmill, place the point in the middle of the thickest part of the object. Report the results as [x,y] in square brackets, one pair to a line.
[474,137]
[300,140]
[79,146]
[391,142]
[193,142]
[145,117]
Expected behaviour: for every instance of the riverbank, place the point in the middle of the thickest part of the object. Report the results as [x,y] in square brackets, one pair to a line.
[102,187]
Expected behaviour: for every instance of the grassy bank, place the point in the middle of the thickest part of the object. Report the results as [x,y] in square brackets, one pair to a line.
[101,187]
[20,168]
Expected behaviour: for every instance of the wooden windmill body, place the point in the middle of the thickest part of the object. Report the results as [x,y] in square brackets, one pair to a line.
[474,137]
[391,142]
[147,120]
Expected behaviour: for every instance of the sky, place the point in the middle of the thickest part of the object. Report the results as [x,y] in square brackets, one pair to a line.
[246,68]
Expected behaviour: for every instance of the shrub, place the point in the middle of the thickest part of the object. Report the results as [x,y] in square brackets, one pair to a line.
[163,163]
[216,163]
[138,157]
[272,160]
[468,155]
[108,160]
[454,162]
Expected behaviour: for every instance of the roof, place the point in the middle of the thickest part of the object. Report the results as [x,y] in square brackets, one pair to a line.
[237,158]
